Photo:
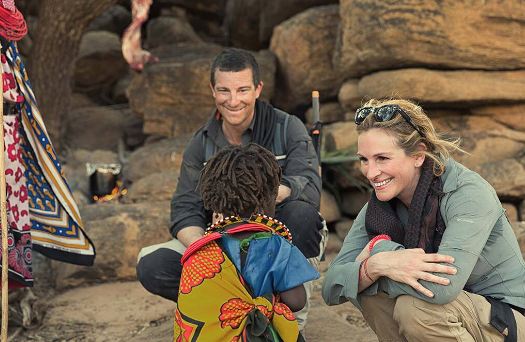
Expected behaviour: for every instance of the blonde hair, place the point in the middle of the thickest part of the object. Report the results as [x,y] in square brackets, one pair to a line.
[438,147]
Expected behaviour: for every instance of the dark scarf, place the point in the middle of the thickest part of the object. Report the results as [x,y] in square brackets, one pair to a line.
[264,126]
[425,226]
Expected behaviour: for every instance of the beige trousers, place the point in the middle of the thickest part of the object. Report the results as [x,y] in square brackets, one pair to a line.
[407,318]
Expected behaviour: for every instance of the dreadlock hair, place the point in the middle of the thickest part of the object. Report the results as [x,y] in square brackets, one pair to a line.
[241,180]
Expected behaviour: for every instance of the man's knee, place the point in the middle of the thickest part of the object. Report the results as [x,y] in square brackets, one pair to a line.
[159,272]
[304,223]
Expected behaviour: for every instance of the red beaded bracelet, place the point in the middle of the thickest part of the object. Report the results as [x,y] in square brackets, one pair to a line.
[376,239]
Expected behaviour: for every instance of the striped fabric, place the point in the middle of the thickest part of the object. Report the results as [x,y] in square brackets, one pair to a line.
[56,224]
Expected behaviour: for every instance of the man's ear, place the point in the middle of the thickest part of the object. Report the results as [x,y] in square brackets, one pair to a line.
[258,89]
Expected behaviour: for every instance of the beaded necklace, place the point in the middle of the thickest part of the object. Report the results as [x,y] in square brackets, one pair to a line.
[275,226]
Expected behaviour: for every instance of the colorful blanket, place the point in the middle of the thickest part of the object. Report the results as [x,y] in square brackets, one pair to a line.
[56,226]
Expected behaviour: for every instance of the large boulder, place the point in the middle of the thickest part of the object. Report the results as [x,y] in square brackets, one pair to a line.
[304,46]
[512,115]
[97,128]
[115,19]
[329,112]
[339,136]
[161,156]
[170,30]
[506,176]
[158,186]
[445,87]
[378,35]
[250,23]
[480,134]
[174,97]
[100,62]
[118,232]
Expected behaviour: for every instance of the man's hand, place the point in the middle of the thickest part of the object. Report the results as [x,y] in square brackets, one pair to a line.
[283,193]
[189,235]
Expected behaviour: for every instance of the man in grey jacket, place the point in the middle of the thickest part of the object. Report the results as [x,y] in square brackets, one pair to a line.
[240,118]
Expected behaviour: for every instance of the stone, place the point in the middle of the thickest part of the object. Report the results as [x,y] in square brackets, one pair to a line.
[333,244]
[161,156]
[158,186]
[340,136]
[100,62]
[119,232]
[445,87]
[378,35]
[96,128]
[512,115]
[329,208]
[480,134]
[506,176]
[512,211]
[170,30]
[115,19]
[303,46]
[250,23]
[342,228]
[328,112]
[174,97]
[353,202]
[349,96]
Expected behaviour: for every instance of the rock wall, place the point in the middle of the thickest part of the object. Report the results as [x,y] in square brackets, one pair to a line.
[463,61]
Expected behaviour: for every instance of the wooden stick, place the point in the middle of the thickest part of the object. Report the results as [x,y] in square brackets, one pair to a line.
[3,200]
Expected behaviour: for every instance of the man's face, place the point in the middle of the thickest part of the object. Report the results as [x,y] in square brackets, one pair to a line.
[235,95]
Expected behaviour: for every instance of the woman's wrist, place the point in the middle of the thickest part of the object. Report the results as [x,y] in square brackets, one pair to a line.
[376,265]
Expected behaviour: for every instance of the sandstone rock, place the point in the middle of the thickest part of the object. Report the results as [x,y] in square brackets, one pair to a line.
[378,35]
[353,202]
[511,210]
[506,176]
[343,227]
[161,156]
[118,232]
[250,23]
[329,112]
[512,116]
[339,136]
[329,208]
[96,128]
[170,30]
[118,94]
[349,96]
[100,62]
[480,134]
[158,186]
[303,45]
[174,95]
[445,87]
[334,244]
[115,19]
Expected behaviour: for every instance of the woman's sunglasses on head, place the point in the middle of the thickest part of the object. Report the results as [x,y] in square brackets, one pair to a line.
[384,113]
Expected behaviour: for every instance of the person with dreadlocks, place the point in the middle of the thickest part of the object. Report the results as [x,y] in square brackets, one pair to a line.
[238,119]
[245,268]
[41,212]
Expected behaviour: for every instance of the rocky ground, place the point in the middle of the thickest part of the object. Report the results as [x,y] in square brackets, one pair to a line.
[124,311]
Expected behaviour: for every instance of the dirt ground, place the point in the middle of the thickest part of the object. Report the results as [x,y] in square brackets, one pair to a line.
[126,312]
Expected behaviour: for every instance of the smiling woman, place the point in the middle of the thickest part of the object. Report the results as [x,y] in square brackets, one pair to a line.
[415,261]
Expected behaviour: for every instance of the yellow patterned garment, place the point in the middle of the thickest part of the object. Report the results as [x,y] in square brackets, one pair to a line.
[214,304]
